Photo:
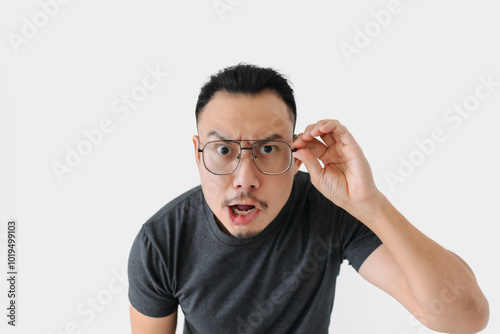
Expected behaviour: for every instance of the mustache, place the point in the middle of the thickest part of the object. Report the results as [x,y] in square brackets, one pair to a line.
[241,196]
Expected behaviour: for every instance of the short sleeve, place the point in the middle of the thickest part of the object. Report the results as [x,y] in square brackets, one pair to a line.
[357,240]
[149,292]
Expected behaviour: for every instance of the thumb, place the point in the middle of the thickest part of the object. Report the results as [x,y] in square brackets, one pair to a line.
[310,161]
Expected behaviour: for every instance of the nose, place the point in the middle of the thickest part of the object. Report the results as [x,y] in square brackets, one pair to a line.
[246,176]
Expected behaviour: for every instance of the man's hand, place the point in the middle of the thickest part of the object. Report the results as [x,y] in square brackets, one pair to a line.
[346,178]
[409,266]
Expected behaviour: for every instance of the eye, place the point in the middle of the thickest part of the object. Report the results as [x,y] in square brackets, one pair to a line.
[223,150]
[268,149]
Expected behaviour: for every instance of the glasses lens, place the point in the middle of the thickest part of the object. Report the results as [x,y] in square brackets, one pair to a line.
[272,157]
[221,157]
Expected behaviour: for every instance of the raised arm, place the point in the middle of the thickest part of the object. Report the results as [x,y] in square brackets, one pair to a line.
[411,267]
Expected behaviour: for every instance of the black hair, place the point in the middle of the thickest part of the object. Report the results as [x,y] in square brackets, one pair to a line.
[247,79]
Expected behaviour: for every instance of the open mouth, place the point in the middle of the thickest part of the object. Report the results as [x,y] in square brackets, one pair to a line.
[242,214]
[243,210]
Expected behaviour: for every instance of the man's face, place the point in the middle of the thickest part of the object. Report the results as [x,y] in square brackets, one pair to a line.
[245,117]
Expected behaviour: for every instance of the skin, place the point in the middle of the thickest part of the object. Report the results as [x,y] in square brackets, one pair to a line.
[245,117]
[434,284]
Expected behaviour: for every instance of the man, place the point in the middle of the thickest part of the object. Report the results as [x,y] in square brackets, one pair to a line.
[257,248]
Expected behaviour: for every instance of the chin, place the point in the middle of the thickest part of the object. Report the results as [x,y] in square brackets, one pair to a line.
[243,232]
[246,234]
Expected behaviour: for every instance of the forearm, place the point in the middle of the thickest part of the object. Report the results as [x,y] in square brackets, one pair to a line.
[442,284]
[424,269]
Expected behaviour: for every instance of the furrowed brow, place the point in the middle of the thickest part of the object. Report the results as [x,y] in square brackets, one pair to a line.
[274,136]
[215,133]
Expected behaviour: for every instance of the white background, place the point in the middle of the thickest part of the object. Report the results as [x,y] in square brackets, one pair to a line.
[74,236]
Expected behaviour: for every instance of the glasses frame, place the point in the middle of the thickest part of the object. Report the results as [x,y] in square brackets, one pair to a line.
[253,154]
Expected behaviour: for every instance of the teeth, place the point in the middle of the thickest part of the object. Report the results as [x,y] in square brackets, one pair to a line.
[243,213]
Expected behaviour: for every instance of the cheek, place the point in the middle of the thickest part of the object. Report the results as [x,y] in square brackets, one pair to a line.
[214,188]
[279,188]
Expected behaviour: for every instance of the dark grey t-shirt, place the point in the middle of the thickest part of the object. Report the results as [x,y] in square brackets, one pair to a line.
[281,281]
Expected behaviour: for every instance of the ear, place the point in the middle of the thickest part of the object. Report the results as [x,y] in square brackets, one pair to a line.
[296,162]
[197,155]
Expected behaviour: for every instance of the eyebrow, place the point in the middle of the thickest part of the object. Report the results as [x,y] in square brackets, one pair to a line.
[214,133]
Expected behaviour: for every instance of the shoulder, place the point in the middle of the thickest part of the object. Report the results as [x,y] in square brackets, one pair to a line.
[191,197]
[169,220]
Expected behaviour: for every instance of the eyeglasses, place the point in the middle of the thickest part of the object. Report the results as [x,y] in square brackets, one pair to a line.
[222,157]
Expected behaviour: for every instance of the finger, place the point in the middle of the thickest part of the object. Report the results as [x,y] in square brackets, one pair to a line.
[312,164]
[338,131]
[328,139]
[331,131]
[326,136]
[316,147]
[305,137]
[298,142]
[317,130]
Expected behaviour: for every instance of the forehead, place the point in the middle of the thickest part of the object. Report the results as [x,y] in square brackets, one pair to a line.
[242,116]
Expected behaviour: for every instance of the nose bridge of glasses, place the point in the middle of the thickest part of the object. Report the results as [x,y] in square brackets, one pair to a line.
[245,148]
[245,167]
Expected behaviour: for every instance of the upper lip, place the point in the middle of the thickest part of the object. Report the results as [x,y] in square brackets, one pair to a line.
[245,203]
